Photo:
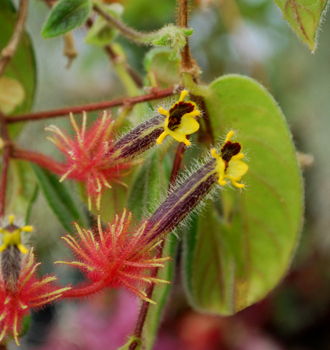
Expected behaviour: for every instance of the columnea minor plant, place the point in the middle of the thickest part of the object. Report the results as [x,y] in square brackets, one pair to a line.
[214,163]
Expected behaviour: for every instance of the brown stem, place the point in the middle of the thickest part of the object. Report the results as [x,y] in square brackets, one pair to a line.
[153,95]
[187,62]
[69,49]
[206,136]
[5,164]
[177,162]
[8,52]
[3,346]
[149,291]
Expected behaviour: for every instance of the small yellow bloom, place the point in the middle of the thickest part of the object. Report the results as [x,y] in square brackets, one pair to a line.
[228,163]
[12,235]
[180,120]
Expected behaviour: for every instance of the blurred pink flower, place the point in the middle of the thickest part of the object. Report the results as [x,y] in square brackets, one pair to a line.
[88,327]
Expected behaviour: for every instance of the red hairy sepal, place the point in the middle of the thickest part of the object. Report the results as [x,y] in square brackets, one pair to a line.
[29,292]
[114,256]
[88,156]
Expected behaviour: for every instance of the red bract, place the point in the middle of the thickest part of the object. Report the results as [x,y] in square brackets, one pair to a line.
[89,156]
[114,257]
[28,292]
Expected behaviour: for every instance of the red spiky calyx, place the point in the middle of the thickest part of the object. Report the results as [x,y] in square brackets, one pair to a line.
[114,256]
[29,292]
[89,156]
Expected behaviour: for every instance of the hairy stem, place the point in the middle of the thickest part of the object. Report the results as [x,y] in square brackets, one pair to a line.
[153,95]
[126,31]
[8,52]
[149,291]
[187,62]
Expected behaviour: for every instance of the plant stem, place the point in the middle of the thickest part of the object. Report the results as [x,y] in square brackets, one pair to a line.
[8,52]
[207,136]
[37,158]
[149,291]
[69,49]
[187,62]
[5,164]
[153,95]
[177,162]
[120,62]
[126,31]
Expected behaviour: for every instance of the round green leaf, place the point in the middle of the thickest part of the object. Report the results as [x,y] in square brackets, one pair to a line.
[235,259]
[65,16]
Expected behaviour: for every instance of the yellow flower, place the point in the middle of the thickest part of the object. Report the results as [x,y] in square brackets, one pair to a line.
[180,120]
[12,235]
[228,163]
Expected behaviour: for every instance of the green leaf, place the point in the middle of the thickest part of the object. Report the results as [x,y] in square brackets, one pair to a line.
[65,16]
[24,57]
[101,34]
[11,94]
[150,183]
[171,36]
[23,189]
[162,66]
[59,199]
[304,17]
[234,260]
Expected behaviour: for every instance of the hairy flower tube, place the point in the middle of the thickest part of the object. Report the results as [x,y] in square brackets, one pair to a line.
[184,197]
[114,256]
[20,289]
[89,156]
[180,120]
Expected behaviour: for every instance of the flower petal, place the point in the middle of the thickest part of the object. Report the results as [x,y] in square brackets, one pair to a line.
[236,169]
[188,125]
[180,137]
